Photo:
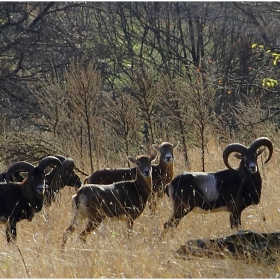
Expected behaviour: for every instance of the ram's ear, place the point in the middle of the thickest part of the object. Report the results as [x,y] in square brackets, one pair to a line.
[131,160]
[153,157]
[156,147]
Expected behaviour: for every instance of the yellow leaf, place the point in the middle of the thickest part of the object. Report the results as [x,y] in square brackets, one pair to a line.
[254,45]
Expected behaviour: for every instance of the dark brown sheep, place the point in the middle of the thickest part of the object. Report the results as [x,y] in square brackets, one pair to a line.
[230,190]
[120,200]
[20,200]
[162,173]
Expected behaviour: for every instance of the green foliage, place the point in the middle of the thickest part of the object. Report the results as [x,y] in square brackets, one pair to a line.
[268,82]
[3,21]
[276,58]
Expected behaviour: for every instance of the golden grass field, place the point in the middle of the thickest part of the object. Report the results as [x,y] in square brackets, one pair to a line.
[109,254]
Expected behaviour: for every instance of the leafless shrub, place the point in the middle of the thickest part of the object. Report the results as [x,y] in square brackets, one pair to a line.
[122,118]
[143,86]
[53,103]
[199,98]
[190,103]
[171,92]
[71,107]
[24,146]
[84,84]
[251,121]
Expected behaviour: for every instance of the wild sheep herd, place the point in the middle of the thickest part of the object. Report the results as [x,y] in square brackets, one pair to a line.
[124,193]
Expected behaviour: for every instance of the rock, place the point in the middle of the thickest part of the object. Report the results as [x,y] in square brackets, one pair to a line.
[247,245]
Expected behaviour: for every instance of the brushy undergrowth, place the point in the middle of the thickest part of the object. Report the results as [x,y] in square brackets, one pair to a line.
[109,254]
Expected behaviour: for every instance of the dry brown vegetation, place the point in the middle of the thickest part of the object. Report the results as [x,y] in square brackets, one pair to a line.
[108,253]
[116,95]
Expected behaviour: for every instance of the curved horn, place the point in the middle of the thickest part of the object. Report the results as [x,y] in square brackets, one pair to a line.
[235,147]
[49,161]
[61,158]
[263,141]
[68,164]
[19,167]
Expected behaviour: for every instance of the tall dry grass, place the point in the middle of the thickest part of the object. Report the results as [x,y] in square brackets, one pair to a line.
[109,254]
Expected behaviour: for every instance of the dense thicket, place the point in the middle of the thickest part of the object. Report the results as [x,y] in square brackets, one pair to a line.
[94,79]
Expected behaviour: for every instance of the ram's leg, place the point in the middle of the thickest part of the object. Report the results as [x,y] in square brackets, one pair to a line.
[11,231]
[90,226]
[175,219]
[235,219]
[71,228]
[130,223]
[68,231]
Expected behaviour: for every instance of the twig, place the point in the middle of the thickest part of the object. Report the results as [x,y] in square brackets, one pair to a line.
[27,272]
